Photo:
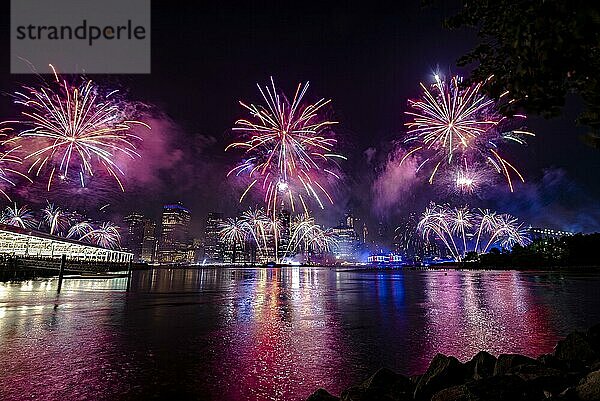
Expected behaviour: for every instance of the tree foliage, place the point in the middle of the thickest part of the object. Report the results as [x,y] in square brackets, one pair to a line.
[538,50]
[575,250]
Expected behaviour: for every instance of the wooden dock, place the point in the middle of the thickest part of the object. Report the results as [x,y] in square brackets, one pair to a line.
[22,268]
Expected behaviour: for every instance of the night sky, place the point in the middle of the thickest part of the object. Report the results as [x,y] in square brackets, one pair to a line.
[369,60]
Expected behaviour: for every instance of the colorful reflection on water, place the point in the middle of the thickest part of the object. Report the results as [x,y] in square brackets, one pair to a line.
[269,334]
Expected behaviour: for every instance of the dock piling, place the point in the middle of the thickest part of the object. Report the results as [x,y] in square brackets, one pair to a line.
[129,276]
[63,262]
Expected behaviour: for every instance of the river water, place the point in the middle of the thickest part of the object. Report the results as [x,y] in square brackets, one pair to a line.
[270,334]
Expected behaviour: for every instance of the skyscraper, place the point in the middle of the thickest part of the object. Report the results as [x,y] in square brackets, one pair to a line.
[149,241]
[276,247]
[347,239]
[213,246]
[347,243]
[284,218]
[174,242]
[134,236]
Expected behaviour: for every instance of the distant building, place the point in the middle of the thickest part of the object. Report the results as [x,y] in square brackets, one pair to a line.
[134,236]
[174,245]
[547,233]
[409,243]
[234,253]
[140,237]
[198,247]
[149,242]
[347,243]
[348,240]
[284,217]
[214,249]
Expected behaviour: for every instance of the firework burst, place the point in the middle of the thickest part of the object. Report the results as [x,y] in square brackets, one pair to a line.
[258,225]
[105,236]
[255,228]
[18,216]
[54,218]
[74,130]
[464,230]
[308,236]
[288,151]
[233,230]
[456,125]
[79,230]
[467,180]
[8,160]
[322,241]
[233,233]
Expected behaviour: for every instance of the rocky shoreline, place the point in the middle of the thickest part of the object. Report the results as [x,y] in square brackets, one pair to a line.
[570,373]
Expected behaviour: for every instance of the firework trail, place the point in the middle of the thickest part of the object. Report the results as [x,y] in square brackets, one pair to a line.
[308,236]
[79,230]
[256,227]
[288,151]
[18,216]
[105,236]
[455,125]
[8,160]
[233,232]
[74,130]
[464,230]
[54,218]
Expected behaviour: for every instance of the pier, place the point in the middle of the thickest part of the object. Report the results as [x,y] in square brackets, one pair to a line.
[26,254]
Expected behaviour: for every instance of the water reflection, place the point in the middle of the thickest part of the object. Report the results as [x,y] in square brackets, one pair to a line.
[52,347]
[281,329]
[493,311]
[258,334]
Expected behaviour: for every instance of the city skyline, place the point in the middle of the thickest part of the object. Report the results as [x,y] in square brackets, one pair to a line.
[371,120]
[226,241]
[230,239]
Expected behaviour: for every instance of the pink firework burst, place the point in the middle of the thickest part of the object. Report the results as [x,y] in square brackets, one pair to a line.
[71,131]
[288,149]
[453,124]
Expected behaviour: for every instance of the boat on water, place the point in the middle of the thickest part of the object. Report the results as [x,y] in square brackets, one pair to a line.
[385,260]
[273,265]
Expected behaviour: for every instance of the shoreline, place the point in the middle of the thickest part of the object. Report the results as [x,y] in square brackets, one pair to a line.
[570,373]
[7,276]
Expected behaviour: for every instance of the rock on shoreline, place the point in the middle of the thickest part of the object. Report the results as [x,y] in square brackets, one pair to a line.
[570,373]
